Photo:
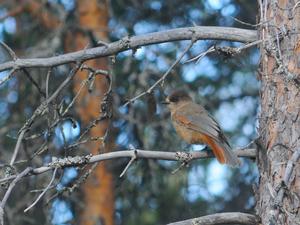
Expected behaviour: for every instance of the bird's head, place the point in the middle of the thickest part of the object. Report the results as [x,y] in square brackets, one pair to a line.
[177,99]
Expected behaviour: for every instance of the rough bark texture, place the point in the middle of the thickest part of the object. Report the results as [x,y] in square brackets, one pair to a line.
[279,141]
[98,194]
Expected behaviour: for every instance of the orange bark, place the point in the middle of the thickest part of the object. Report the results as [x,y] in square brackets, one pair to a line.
[37,10]
[98,194]
[92,15]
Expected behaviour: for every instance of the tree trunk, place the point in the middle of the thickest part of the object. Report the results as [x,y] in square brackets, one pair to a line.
[279,141]
[98,192]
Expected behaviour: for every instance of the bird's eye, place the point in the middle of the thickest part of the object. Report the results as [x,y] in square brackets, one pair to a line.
[174,99]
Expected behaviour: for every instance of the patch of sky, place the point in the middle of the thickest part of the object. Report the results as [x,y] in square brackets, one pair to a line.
[229,91]
[250,203]
[207,90]
[155,5]
[12,82]
[61,212]
[125,54]
[241,141]
[198,147]
[205,67]
[245,105]
[228,10]
[69,174]
[248,129]
[10,25]
[143,27]
[62,70]
[118,123]
[162,65]
[123,109]
[225,118]
[196,191]
[196,185]
[217,177]
[68,4]
[67,99]
[166,47]
[4,112]
[12,97]
[254,57]
[47,159]
[217,4]
[140,53]
[147,53]
[246,79]
[3,75]
[1,31]
[66,132]
[118,30]
[245,168]
[195,14]
[122,139]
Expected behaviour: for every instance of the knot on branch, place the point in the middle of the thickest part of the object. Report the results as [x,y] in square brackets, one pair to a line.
[184,157]
[227,51]
[70,161]
[125,42]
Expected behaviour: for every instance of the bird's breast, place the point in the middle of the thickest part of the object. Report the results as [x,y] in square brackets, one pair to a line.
[190,136]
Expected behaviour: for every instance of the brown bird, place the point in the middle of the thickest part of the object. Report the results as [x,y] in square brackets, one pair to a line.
[194,124]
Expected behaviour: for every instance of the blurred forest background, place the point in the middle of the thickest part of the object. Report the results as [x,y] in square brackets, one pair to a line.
[148,193]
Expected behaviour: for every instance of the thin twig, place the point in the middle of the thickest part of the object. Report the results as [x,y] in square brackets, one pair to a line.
[133,158]
[201,55]
[245,23]
[160,80]
[9,50]
[44,191]
[8,76]
[33,82]
[17,147]
[234,51]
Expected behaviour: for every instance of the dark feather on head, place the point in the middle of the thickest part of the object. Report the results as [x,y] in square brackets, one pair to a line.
[179,95]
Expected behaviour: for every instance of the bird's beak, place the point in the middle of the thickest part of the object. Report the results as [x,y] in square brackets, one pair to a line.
[166,102]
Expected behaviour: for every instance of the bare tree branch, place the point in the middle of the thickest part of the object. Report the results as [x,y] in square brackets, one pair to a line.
[180,156]
[43,192]
[222,218]
[9,190]
[127,43]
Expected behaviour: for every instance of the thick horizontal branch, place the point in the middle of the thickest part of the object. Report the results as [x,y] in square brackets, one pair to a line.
[138,154]
[134,42]
[221,218]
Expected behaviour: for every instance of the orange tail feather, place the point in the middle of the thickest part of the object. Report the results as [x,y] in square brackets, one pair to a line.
[217,150]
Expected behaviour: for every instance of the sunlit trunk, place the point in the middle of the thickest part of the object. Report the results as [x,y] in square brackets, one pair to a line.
[98,193]
[279,141]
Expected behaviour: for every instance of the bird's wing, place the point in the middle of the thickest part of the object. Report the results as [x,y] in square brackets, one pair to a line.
[196,118]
